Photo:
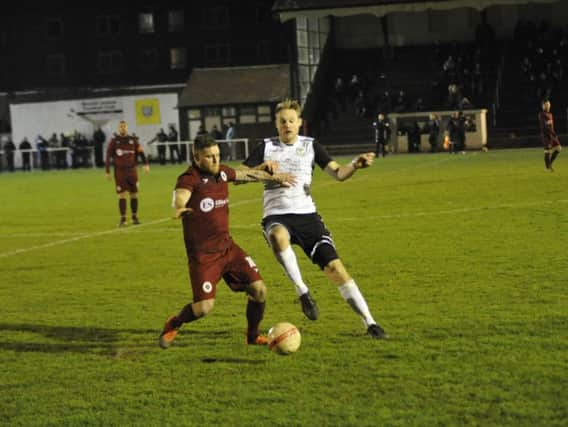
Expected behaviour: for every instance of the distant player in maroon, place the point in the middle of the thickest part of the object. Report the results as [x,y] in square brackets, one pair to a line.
[201,200]
[550,140]
[123,150]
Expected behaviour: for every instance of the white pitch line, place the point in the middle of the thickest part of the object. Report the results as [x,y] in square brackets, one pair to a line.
[247,201]
[102,233]
[74,239]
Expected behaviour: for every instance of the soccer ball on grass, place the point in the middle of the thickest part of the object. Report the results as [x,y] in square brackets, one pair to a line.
[284,338]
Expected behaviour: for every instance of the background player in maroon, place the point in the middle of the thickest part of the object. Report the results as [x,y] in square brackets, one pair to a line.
[550,140]
[123,150]
[201,201]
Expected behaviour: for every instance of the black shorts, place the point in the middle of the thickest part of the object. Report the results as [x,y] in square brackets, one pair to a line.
[307,231]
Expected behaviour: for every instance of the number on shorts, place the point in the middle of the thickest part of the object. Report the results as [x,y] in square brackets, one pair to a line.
[251,263]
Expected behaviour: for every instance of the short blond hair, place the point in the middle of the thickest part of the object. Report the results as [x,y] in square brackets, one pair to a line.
[288,104]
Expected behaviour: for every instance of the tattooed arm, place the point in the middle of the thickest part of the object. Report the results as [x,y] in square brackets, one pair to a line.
[255,175]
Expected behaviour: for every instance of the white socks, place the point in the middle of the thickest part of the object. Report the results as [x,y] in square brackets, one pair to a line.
[350,293]
[288,260]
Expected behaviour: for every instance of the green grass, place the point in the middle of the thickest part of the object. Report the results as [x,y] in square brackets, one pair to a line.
[462,259]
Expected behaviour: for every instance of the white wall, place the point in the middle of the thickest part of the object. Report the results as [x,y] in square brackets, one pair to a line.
[45,118]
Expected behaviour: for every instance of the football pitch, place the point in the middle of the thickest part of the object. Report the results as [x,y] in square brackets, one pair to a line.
[462,259]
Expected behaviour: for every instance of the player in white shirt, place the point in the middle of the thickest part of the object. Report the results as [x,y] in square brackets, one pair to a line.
[290,215]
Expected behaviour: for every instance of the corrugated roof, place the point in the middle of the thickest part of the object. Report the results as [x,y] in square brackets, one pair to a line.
[236,85]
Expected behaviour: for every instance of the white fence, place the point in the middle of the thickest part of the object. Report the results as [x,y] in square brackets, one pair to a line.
[233,149]
[61,158]
[51,158]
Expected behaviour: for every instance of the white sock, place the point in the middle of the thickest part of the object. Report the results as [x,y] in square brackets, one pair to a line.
[350,293]
[287,258]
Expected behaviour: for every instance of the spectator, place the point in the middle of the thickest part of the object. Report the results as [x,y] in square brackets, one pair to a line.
[41,147]
[432,128]
[414,133]
[175,154]
[229,136]
[99,139]
[360,105]
[385,102]
[401,104]
[339,89]
[161,139]
[453,129]
[24,147]
[353,88]
[383,131]
[9,148]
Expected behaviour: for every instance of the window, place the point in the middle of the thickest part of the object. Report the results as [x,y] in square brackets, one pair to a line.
[212,112]
[178,58]
[176,21]
[218,53]
[216,16]
[247,115]
[110,62]
[54,28]
[229,111]
[55,65]
[146,23]
[311,37]
[264,115]
[149,59]
[194,114]
[107,25]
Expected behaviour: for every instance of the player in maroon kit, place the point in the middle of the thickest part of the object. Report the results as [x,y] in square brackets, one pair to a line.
[550,140]
[201,202]
[124,149]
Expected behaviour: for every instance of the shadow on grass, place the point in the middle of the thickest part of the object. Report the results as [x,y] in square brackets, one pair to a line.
[103,341]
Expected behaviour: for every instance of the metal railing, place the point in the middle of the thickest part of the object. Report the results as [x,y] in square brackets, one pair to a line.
[52,160]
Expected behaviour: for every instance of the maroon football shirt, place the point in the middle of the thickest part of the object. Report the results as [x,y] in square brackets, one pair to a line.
[206,229]
[123,150]
[548,134]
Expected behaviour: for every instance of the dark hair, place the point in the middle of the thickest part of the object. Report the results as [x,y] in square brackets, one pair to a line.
[204,141]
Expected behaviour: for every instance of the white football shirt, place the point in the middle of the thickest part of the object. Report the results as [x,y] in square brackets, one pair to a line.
[298,159]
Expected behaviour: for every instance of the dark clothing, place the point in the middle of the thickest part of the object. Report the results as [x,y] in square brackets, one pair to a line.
[162,138]
[382,135]
[99,139]
[174,148]
[25,145]
[9,148]
[453,130]
[414,133]
[432,128]
[42,145]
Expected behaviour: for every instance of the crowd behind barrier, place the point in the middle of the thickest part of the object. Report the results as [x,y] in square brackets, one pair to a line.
[48,158]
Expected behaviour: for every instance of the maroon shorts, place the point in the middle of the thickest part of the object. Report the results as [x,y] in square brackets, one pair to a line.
[126,180]
[234,266]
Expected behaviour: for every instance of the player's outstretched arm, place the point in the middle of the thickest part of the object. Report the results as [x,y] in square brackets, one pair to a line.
[256,175]
[181,197]
[341,173]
